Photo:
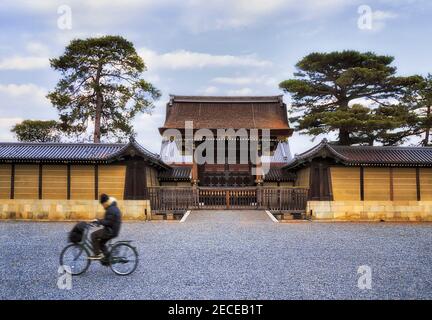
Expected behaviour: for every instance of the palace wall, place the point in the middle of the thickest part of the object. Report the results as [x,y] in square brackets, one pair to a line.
[64,210]
[370,210]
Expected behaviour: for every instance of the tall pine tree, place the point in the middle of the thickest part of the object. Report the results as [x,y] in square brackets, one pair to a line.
[351,93]
[101,84]
[420,101]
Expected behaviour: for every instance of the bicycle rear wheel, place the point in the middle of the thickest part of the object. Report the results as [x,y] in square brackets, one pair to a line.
[76,257]
[123,259]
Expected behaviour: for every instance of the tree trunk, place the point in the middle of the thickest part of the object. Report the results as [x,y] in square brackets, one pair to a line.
[344,137]
[427,129]
[97,124]
[98,111]
[344,133]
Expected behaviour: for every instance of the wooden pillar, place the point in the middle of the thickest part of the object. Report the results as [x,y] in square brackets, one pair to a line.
[194,168]
[227,199]
[361,183]
[258,166]
[12,187]
[96,181]
[391,185]
[418,186]
[68,181]
[40,181]
[329,183]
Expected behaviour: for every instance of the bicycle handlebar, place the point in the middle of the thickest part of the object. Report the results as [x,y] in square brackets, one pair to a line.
[93,224]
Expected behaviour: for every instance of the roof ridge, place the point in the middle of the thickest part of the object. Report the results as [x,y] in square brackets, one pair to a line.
[186,98]
[61,143]
[225,96]
[382,147]
[368,154]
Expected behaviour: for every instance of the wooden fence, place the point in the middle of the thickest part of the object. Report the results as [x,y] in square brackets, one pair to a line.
[174,199]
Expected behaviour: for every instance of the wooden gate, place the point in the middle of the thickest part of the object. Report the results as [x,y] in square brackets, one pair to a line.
[227,198]
[172,199]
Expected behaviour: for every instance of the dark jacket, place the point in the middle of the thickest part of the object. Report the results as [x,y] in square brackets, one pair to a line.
[112,219]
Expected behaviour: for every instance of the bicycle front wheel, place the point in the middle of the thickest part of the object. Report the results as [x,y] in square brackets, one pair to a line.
[76,257]
[123,259]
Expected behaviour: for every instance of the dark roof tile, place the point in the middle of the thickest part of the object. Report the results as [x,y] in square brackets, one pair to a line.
[367,155]
[70,152]
[176,173]
[227,112]
[278,174]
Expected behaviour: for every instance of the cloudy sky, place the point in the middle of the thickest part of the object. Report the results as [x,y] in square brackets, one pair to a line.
[211,47]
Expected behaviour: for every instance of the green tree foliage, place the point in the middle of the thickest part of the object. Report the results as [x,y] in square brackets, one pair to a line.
[101,83]
[37,131]
[352,93]
[420,101]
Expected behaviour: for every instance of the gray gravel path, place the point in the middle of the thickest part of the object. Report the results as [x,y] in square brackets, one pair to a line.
[228,255]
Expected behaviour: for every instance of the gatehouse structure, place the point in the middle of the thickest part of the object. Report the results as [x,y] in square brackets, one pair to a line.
[62,181]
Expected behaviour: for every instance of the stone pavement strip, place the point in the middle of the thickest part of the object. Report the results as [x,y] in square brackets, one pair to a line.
[228,255]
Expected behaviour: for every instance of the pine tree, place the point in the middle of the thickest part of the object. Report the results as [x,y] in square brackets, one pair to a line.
[354,94]
[101,84]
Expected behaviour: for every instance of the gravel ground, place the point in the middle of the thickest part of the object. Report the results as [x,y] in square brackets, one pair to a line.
[228,255]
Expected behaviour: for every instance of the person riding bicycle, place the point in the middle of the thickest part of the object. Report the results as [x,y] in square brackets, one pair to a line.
[111,223]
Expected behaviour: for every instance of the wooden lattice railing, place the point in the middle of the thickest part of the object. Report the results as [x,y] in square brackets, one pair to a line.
[172,199]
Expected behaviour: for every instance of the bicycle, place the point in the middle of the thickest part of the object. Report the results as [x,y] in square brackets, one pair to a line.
[121,257]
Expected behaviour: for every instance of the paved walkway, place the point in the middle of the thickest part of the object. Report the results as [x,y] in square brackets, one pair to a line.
[228,216]
[228,255]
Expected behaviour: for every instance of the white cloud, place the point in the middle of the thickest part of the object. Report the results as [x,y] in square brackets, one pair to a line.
[146,127]
[240,92]
[19,90]
[379,19]
[37,49]
[210,90]
[6,125]
[25,100]
[23,63]
[266,80]
[183,59]
[52,5]
[37,58]
[22,101]
[227,14]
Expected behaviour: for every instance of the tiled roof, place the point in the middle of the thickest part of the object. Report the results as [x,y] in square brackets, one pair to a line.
[58,151]
[224,99]
[227,112]
[278,174]
[71,152]
[176,173]
[367,155]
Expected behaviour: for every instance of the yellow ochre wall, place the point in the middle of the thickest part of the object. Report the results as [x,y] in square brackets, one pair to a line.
[82,182]
[426,183]
[5,181]
[345,183]
[404,184]
[54,182]
[26,181]
[376,184]
[112,180]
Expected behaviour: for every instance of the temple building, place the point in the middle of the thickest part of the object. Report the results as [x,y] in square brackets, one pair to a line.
[222,113]
[248,165]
